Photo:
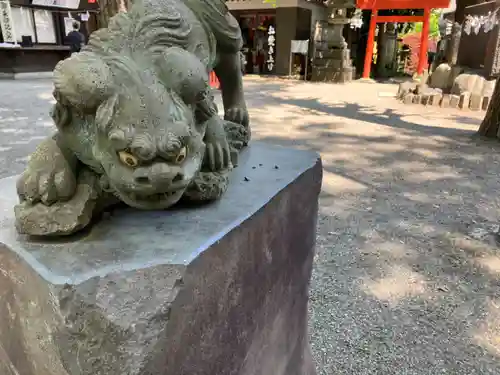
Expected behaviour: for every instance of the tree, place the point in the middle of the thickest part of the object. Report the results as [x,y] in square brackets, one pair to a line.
[491,122]
[403,27]
[272,2]
[433,24]
[108,8]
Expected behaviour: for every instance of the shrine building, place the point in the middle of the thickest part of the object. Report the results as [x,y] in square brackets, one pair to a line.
[340,34]
[32,32]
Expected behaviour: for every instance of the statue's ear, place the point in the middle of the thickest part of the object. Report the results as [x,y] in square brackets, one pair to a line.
[61,115]
[83,81]
[106,111]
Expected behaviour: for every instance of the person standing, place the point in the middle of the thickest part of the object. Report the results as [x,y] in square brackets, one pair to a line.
[75,38]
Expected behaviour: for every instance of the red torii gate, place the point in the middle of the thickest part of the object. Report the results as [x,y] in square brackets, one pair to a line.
[376,5]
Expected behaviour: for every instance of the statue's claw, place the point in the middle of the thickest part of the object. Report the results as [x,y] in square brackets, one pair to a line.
[238,115]
[54,182]
[217,154]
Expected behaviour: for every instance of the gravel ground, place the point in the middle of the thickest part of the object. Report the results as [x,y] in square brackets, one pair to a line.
[406,277]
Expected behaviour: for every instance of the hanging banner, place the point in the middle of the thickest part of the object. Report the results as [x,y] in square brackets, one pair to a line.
[7,23]
[476,23]
[271,41]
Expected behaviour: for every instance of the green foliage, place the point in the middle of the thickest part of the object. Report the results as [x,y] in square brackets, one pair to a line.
[433,27]
[408,28]
[403,28]
[272,2]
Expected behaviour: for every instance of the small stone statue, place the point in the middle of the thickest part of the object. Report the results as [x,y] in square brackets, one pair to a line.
[136,119]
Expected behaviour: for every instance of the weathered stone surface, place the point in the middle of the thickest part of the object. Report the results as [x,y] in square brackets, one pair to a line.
[440,77]
[416,99]
[408,99]
[332,75]
[456,70]
[428,91]
[406,88]
[445,101]
[425,99]
[486,103]
[454,101]
[329,64]
[489,87]
[435,99]
[474,84]
[464,83]
[331,61]
[464,100]
[476,102]
[219,289]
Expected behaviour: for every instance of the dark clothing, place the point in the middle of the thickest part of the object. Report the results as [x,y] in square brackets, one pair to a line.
[75,40]
[431,55]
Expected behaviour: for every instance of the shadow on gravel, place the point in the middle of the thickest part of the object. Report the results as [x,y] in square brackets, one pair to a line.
[406,278]
[358,112]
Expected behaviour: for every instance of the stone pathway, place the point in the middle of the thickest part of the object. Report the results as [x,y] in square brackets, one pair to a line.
[406,278]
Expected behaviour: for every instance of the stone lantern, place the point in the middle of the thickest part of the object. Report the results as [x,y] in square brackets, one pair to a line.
[332,58]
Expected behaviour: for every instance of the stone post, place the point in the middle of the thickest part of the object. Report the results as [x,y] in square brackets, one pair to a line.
[332,58]
[386,58]
[454,44]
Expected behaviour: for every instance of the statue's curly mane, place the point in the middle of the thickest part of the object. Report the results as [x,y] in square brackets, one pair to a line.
[153,47]
[137,32]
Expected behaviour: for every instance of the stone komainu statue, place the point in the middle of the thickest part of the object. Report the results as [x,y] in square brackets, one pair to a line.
[136,119]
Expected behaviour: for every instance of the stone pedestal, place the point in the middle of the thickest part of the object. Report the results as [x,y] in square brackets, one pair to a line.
[332,58]
[214,290]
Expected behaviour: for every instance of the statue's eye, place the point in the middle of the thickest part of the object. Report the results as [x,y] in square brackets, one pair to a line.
[181,156]
[128,159]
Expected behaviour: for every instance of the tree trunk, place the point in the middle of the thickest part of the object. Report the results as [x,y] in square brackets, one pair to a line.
[108,8]
[451,53]
[489,126]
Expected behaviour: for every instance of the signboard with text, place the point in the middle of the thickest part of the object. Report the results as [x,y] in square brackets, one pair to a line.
[66,4]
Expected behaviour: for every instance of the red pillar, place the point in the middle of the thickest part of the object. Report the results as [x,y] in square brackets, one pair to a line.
[213,80]
[424,42]
[369,44]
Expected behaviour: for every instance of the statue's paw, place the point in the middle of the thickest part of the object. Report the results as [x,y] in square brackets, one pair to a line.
[64,217]
[238,115]
[237,135]
[217,153]
[207,186]
[46,186]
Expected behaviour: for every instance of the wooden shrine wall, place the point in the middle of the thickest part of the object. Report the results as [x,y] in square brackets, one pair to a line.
[480,51]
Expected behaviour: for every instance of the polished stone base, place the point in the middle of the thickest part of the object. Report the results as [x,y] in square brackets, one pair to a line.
[212,290]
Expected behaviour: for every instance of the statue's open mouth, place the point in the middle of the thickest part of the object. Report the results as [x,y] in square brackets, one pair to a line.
[152,201]
[154,197]
[157,201]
